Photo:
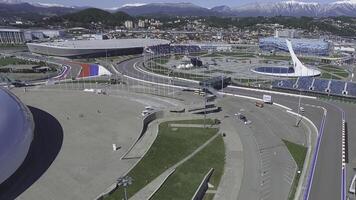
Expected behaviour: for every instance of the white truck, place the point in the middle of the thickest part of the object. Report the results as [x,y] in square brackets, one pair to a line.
[267,99]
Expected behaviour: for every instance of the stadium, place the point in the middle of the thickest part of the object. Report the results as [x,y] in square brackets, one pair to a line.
[301,46]
[298,69]
[95,48]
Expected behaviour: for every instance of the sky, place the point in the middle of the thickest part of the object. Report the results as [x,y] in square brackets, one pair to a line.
[118,3]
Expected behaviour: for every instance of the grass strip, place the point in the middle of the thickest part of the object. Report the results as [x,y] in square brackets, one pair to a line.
[187,177]
[298,153]
[170,146]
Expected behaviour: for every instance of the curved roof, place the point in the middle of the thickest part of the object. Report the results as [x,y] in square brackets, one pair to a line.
[16,133]
[103,44]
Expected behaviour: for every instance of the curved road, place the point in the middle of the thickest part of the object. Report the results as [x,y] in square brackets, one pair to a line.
[325,177]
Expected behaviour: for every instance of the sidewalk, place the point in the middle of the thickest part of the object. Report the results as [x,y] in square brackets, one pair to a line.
[231,179]
[144,144]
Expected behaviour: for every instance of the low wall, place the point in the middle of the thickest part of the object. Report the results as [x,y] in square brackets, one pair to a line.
[145,122]
[148,119]
[203,187]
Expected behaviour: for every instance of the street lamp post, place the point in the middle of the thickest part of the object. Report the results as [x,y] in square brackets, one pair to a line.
[125,182]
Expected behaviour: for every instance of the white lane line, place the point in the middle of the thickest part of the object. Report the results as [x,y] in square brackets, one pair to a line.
[271,92]
[309,151]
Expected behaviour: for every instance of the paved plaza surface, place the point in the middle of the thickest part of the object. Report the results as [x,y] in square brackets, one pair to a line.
[77,131]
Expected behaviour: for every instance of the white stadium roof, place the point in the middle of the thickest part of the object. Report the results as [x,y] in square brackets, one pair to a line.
[103,44]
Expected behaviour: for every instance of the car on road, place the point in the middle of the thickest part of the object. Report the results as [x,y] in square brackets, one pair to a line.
[243,118]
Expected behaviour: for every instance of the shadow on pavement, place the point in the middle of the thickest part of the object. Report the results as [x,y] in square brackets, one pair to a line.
[44,149]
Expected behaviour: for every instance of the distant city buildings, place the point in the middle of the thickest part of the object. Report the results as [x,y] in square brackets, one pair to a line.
[141,24]
[129,24]
[287,33]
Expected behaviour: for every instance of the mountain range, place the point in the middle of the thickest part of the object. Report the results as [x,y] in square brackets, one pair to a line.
[283,8]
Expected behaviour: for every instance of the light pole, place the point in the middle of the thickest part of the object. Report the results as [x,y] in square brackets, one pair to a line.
[125,182]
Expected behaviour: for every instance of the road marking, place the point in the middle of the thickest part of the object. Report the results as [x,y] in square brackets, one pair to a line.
[253,98]
[271,92]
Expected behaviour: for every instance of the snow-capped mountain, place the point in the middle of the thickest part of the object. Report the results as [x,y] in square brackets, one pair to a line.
[17,8]
[177,9]
[133,5]
[337,8]
[11,1]
[298,8]
[283,8]
[50,5]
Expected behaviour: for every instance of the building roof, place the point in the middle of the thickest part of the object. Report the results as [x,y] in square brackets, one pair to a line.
[10,30]
[297,43]
[104,44]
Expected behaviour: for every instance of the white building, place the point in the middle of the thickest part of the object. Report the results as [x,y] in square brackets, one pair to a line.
[141,24]
[12,36]
[287,33]
[129,24]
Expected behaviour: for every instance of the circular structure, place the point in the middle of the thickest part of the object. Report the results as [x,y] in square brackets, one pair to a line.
[297,70]
[95,48]
[16,133]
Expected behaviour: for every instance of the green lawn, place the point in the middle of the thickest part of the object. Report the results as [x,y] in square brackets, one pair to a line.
[327,75]
[342,74]
[170,146]
[330,68]
[15,61]
[298,153]
[332,71]
[197,121]
[187,177]
[11,61]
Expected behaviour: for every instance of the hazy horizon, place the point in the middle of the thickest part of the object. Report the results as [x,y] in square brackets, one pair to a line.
[113,3]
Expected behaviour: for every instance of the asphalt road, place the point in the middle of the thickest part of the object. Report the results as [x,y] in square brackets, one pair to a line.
[326,181]
[269,169]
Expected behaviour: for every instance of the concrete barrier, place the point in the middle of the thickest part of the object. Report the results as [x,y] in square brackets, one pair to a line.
[148,119]
[203,187]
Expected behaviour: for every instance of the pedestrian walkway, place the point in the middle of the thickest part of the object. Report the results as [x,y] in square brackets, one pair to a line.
[231,179]
[145,142]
